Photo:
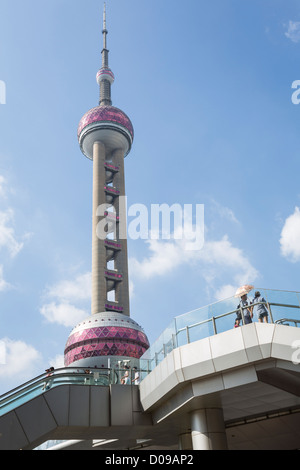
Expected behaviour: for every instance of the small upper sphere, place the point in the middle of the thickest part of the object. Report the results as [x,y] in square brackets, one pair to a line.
[106,124]
[105,74]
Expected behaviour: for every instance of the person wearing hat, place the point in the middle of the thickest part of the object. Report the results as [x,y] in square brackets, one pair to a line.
[260,309]
[245,304]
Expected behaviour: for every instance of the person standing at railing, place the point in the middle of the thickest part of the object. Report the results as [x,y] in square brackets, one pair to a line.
[49,382]
[125,380]
[245,305]
[136,378]
[260,309]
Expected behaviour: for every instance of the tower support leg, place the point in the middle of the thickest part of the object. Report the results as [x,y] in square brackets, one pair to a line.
[99,292]
[121,259]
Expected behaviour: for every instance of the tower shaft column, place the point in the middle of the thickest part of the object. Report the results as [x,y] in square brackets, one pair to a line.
[121,260]
[98,247]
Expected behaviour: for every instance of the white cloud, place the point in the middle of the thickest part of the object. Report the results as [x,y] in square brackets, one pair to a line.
[2,186]
[20,359]
[131,289]
[8,239]
[222,254]
[164,257]
[57,362]
[224,292]
[3,284]
[67,301]
[217,260]
[290,237]
[78,289]
[225,212]
[7,233]
[293,32]
[63,313]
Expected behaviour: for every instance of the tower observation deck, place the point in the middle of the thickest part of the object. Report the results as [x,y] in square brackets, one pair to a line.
[105,135]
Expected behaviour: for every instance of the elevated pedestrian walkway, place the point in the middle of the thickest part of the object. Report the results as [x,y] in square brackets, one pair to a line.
[248,373]
[237,389]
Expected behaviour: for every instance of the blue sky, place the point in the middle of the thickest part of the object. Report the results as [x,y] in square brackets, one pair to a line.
[208,88]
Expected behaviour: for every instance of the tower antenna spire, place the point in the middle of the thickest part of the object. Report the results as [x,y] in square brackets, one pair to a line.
[105,77]
[104,30]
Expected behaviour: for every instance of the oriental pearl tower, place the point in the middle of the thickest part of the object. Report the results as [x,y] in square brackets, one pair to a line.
[109,335]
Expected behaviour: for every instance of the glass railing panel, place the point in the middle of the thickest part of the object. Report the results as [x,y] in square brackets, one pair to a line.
[226,322]
[171,344]
[190,318]
[169,338]
[224,314]
[282,297]
[20,399]
[160,356]
[182,337]
[147,364]
[160,348]
[143,374]
[283,312]
[152,364]
[200,331]
[224,306]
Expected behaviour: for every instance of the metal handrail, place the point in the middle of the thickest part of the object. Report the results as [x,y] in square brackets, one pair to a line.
[290,320]
[63,376]
[235,311]
[240,309]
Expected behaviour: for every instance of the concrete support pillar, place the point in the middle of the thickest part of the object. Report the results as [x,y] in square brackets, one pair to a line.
[208,429]
[121,259]
[185,441]
[99,292]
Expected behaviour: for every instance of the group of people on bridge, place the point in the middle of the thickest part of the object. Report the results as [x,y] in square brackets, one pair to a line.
[248,307]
